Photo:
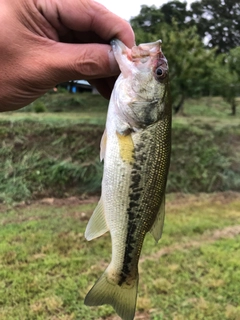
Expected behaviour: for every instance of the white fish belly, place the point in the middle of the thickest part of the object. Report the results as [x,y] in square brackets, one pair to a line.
[115,196]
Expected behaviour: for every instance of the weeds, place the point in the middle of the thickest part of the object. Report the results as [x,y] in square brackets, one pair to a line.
[57,154]
[41,160]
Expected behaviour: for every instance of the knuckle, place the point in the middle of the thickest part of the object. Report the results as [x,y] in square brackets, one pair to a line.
[91,63]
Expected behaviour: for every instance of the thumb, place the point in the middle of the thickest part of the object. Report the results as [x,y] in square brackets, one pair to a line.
[41,68]
[81,61]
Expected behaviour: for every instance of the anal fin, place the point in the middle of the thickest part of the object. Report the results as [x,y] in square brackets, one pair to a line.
[97,225]
[157,227]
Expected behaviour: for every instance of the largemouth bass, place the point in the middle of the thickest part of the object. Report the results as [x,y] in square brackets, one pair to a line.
[136,151]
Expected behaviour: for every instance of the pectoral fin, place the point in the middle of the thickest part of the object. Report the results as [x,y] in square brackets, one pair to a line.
[157,227]
[103,145]
[97,225]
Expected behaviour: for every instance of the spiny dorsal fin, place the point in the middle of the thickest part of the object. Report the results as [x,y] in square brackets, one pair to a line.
[97,225]
[157,227]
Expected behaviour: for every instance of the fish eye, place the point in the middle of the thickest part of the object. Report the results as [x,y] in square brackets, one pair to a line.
[160,73]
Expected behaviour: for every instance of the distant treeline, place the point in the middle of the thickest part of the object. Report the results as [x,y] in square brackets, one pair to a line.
[201,43]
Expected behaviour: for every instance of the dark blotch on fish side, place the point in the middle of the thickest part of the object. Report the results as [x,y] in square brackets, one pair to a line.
[133,210]
[135,179]
[127,256]
[135,196]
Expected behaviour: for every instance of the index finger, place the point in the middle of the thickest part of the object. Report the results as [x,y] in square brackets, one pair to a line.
[87,15]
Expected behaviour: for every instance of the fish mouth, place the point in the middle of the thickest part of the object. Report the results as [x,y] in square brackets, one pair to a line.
[119,48]
[148,49]
[140,52]
[144,58]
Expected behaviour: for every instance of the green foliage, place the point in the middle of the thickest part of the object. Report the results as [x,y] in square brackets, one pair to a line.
[147,21]
[234,60]
[175,11]
[217,20]
[190,68]
[225,80]
[47,266]
[41,160]
[39,106]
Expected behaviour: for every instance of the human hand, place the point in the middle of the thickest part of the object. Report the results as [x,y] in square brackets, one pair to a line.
[43,43]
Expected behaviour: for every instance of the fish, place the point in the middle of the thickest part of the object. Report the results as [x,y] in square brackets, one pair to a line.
[135,148]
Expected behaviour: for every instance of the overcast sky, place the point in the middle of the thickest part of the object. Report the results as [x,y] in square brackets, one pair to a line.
[130,8]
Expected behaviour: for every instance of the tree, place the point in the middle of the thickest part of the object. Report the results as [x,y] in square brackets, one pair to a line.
[177,11]
[234,60]
[148,20]
[217,22]
[225,79]
[189,62]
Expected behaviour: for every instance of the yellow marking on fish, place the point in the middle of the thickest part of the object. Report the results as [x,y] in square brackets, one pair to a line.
[126,147]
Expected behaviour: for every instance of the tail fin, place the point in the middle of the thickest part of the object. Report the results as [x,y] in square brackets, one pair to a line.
[123,300]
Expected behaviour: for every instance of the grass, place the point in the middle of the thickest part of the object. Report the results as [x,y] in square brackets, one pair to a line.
[62,109]
[47,267]
[57,119]
[67,102]
[42,159]
[213,107]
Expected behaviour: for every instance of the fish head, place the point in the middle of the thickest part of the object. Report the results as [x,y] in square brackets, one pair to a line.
[143,82]
[144,58]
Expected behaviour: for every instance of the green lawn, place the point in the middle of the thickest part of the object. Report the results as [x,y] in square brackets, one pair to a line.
[59,119]
[47,267]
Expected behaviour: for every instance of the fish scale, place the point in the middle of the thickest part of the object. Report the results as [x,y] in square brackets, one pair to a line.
[136,151]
